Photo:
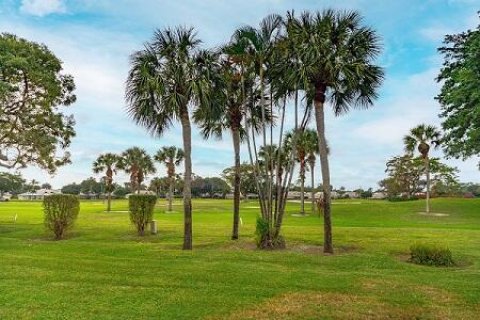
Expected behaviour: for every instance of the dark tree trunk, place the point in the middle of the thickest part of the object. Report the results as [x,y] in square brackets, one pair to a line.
[187,190]
[302,187]
[322,144]
[170,192]
[427,196]
[109,201]
[312,173]
[236,192]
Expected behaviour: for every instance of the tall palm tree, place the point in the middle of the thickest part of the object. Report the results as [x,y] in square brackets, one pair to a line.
[138,164]
[170,157]
[167,77]
[335,55]
[107,162]
[422,138]
[306,145]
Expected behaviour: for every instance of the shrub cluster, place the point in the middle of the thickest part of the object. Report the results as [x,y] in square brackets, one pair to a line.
[399,199]
[141,210]
[61,211]
[264,239]
[431,255]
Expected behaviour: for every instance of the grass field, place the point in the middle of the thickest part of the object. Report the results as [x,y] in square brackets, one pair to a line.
[105,271]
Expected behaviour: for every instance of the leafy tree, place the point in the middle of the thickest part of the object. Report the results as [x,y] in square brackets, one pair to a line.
[32,89]
[171,157]
[107,162]
[209,186]
[13,183]
[335,56]
[137,163]
[404,175]
[167,77]
[120,191]
[71,188]
[247,178]
[460,77]
[160,185]
[422,138]
[46,185]
[91,185]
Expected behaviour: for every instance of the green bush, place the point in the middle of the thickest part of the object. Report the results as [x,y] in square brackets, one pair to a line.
[141,210]
[61,211]
[431,255]
[400,199]
[264,239]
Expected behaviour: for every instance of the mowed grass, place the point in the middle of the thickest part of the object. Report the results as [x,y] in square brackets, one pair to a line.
[105,271]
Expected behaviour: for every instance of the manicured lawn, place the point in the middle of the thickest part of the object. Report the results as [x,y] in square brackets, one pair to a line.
[105,271]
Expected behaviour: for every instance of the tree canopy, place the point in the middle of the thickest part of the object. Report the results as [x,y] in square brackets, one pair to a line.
[32,89]
[460,95]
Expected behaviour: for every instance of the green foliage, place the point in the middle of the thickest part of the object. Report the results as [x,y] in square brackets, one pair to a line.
[459,94]
[400,199]
[212,187]
[404,175]
[32,88]
[11,182]
[141,210]
[261,231]
[431,255]
[61,211]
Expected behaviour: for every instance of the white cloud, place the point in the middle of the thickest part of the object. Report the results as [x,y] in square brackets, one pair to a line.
[42,7]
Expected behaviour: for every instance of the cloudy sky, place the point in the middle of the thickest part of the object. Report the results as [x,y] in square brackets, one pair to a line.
[94,39]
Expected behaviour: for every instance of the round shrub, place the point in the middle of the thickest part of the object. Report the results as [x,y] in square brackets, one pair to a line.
[431,255]
[61,211]
[141,210]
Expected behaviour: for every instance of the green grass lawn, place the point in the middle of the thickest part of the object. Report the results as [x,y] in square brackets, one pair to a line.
[105,271]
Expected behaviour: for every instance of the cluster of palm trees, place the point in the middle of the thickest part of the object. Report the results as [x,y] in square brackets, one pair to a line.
[310,61]
[137,163]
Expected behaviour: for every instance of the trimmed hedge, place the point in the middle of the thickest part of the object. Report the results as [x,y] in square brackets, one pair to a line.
[61,211]
[431,255]
[141,210]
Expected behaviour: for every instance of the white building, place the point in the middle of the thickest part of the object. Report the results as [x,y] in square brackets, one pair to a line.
[37,195]
[379,195]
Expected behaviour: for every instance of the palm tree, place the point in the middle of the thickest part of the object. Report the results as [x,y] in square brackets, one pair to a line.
[335,56]
[306,146]
[167,77]
[171,157]
[159,184]
[107,162]
[423,137]
[138,164]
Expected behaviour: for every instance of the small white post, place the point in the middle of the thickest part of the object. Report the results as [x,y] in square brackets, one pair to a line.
[153,227]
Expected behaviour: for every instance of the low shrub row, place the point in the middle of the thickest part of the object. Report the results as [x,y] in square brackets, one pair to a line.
[61,211]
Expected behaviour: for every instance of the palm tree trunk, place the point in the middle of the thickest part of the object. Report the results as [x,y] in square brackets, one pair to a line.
[302,187]
[322,144]
[312,173]
[109,201]
[170,192]
[427,198]
[236,184]
[187,188]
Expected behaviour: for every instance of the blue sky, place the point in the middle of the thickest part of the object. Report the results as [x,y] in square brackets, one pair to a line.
[94,39]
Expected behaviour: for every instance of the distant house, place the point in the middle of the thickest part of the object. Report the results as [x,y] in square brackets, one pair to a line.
[333,194]
[6,196]
[293,195]
[351,195]
[379,195]
[88,195]
[37,195]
